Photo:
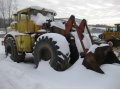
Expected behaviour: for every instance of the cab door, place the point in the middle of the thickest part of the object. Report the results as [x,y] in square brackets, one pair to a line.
[22,23]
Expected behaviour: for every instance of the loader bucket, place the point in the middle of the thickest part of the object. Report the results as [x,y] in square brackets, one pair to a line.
[101,55]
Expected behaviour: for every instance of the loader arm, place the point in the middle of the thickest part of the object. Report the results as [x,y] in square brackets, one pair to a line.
[69,25]
[80,30]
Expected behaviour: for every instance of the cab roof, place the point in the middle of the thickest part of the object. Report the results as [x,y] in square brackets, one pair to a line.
[35,8]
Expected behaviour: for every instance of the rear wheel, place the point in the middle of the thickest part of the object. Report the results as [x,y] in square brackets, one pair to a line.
[47,48]
[10,48]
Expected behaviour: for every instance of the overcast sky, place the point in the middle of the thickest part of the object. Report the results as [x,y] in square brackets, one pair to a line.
[95,11]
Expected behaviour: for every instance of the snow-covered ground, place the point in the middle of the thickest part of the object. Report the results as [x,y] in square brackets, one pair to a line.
[2,32]
[23,75]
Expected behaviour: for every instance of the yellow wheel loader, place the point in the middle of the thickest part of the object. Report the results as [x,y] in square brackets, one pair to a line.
[112,35]
[61,42]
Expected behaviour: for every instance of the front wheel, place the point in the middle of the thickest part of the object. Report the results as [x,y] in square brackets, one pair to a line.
[49,48]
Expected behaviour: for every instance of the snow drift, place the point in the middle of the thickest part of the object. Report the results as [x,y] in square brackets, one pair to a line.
[22,75]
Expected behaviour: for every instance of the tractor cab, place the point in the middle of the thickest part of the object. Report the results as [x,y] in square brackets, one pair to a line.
[30,20]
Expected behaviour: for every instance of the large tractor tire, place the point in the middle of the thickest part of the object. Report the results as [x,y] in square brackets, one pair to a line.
[48,47]
[74,54]
[10,48]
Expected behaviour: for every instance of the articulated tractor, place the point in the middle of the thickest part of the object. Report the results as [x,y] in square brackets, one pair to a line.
[35,30]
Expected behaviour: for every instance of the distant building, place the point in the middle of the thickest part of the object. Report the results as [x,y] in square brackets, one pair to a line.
[99,28]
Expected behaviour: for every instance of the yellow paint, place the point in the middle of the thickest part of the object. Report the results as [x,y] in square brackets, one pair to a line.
[37,27]
[31,26]
[109,35]
[22,26]
[24,43]
[28,26]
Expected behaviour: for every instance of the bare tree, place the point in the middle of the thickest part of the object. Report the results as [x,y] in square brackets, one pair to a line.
[3,11]
[11,7]
[7,7]
[15,6]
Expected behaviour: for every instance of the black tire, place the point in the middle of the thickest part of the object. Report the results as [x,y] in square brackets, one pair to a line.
[46,48]
[74,54]
[10,48]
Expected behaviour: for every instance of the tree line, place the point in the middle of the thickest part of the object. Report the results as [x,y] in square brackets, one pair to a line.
[7,22]
[7,8]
